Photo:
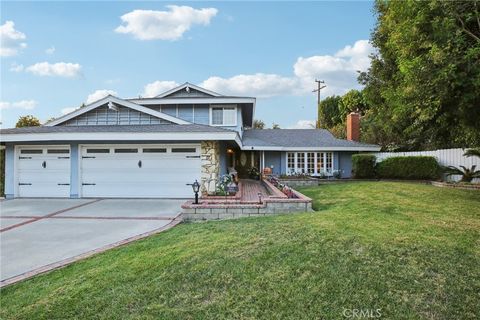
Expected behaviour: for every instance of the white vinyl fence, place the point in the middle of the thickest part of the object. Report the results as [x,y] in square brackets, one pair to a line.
[445,157]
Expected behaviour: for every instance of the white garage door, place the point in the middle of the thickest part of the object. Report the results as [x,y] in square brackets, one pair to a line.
[139,171]
[43,171]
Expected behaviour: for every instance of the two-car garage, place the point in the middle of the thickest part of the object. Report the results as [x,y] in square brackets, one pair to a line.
[136,171]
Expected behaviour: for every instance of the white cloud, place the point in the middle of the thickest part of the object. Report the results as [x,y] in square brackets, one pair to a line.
[259,85]
[155,88]
[59,69]
[339,71]
[16,67]
[23,104]
[11,40]
[303,124]
[68,110]
[164,25]
[50,50]
[99,94]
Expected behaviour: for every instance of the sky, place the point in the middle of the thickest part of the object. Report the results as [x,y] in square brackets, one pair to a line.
[57,55]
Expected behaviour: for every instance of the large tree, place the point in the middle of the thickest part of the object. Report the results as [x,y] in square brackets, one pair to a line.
[423,86]
[27,121]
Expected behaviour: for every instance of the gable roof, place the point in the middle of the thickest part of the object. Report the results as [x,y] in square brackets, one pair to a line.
[300,139]
[113,99]
[188,85]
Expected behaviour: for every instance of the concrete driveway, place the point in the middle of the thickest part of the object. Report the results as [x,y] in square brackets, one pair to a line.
[39,234]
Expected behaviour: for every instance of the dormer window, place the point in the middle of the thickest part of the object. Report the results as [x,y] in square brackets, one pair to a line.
[223,116]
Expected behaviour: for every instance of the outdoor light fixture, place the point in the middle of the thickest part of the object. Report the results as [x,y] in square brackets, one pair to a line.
[196,189]
[259,197]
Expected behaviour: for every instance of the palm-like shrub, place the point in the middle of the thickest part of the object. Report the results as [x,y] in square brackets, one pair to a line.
[474,152]
[467,174]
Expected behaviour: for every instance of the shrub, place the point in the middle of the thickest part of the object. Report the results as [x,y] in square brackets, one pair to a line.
[363,166]
[414,168]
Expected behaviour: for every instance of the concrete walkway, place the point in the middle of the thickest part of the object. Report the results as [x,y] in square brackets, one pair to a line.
[37,235]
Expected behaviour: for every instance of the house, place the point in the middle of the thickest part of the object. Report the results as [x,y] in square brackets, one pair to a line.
[154,147]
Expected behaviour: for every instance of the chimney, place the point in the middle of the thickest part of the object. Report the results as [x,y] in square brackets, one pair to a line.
[353,126]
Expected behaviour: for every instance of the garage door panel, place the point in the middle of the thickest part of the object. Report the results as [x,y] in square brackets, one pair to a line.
[43,174]
[139,175]
[44,190]
[56,176]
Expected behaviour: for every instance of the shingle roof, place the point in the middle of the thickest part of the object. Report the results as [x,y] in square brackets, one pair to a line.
[297,138]
[117,128]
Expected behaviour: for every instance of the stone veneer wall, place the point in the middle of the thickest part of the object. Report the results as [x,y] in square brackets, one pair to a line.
[210,162]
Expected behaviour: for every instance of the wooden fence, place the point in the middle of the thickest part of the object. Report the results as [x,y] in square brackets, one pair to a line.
[446,157]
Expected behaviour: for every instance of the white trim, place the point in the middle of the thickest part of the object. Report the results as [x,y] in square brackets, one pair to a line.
[223,107]
[121,136]
[293,149]
[219,100]
[121,102]
[183,86]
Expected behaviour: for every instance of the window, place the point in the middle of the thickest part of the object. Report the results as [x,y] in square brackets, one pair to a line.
[290,162]
[328,162]
[32,151]
[184,150]
[98,150]
[310,163]
[300,162]
[320,162]
[58,151]
[224,116]
[126,150]
[154,150]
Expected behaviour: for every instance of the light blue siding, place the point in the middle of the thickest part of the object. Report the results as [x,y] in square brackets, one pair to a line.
[74,168]
[185,112]
[273,159]
[202,114]
[345,164]
[170,110]
[223,158]
[9,170]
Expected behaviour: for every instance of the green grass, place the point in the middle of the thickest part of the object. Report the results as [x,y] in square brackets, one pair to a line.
[411,250]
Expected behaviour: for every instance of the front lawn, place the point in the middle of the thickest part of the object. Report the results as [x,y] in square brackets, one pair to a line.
[399,250]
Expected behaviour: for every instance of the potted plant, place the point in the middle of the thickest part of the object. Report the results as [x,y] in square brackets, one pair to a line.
[254,173]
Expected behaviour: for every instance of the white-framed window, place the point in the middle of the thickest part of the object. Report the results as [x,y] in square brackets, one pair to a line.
[312,163]
[300,162]
[291,162]
[223,115]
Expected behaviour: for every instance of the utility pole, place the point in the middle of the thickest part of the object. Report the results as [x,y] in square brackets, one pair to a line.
[320,85]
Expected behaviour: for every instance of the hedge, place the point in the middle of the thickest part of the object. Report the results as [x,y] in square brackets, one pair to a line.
[363,166]
[413,168]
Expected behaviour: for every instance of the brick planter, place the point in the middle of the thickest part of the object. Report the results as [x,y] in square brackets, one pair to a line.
[456,185]
[276,203]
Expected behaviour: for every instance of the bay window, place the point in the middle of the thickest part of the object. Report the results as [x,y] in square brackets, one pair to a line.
[312,163]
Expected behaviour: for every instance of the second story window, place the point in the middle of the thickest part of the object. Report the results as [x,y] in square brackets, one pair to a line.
[224,116]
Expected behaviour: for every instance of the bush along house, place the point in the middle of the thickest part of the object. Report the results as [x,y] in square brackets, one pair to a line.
[154,147]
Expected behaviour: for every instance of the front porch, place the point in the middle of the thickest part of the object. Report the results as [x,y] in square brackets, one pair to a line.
[254,198]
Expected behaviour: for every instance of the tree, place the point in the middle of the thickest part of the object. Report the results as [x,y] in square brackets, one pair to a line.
[27,121]
[330,112]
[275,126]
[423,85]
[351,101]
[258,124]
